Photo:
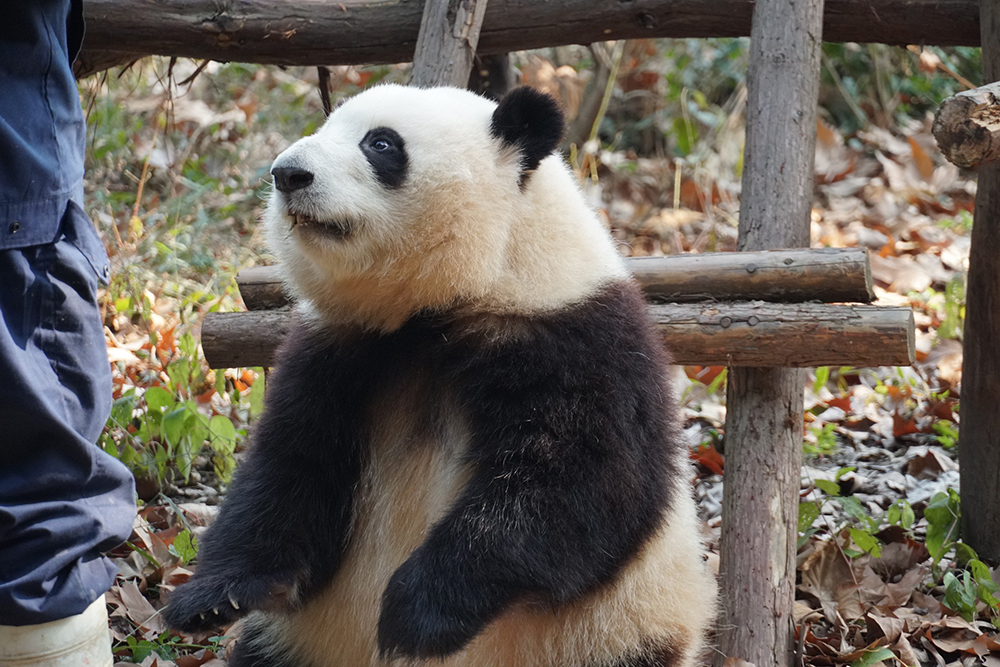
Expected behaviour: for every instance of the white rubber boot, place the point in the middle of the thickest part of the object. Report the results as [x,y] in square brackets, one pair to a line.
[78,641]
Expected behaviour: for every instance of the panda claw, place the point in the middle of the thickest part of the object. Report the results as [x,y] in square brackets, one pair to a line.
[215,611]
[202,616]
[233,602]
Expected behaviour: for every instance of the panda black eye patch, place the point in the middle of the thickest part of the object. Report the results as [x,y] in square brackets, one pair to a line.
[386,153]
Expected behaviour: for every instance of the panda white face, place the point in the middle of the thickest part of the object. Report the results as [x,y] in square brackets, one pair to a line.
[386,166]
[410,199]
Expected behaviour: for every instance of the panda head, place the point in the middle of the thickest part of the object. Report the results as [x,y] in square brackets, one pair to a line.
[408,199]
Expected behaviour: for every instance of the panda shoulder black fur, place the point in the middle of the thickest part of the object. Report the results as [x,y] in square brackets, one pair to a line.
[469,454]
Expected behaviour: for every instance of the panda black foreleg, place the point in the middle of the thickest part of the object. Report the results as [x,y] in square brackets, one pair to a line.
[573,454]
[282,529]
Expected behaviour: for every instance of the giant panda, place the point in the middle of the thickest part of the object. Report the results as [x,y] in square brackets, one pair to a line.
[469,455]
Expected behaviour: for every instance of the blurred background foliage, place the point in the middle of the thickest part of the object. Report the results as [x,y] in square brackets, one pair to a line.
[177,172]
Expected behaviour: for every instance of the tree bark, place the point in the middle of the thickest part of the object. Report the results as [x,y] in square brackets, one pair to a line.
[979,433]
[725,334]
[788,276]
[967,126]
[262,289]
[317,32]
[828,275]
[446,43]
[764,406]
[232,340]
[802,335]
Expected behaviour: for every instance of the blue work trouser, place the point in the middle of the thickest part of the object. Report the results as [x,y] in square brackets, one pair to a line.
[62,499]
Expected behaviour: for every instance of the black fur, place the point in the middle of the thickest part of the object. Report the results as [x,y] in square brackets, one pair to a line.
[284,526]
[386,153]
[571,455]
[572,452]
[532,122]
[247,654]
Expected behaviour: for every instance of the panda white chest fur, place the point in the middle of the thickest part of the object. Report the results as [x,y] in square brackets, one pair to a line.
[469,454]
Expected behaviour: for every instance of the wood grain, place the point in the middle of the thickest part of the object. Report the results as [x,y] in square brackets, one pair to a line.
[979,434]
[825,274]
[733,334]
[967,126]
[446,43]
[318,32]
[764,406]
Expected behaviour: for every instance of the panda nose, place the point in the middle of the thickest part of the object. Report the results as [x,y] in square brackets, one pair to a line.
[290,179]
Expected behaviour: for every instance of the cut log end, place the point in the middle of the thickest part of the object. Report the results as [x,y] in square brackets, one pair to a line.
[967,127]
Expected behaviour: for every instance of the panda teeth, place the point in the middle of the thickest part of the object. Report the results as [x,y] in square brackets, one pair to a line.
[303,220]
[336,228]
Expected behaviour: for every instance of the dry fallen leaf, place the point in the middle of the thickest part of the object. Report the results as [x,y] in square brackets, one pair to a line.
[929,463]
[888,627]
[824,573]
[138,609]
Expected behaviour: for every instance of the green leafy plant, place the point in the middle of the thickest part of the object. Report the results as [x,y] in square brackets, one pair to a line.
[965,588]
[822,377]
[808,513]
[165,645]
[946,433]
[861,526]
[158,431]
[954,309]
[185,547]
[901,514]
[943,514]
[874,656]
[826,441]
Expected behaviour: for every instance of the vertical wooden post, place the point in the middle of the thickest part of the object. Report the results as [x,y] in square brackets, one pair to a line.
[446,44]
[764,418]
[979,434]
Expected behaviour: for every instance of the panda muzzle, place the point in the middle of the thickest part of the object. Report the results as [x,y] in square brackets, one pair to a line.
[338,228]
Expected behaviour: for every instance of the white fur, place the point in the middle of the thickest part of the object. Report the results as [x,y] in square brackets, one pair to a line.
[459,233]
[665,594]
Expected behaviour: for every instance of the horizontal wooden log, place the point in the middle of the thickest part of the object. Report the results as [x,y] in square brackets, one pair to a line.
[724,334]
[825,274]
[795,335]
[318,32]
[261,288]
[248,339]
[967,126]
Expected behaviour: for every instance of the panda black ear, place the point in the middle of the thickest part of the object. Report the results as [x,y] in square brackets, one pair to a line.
[531,121]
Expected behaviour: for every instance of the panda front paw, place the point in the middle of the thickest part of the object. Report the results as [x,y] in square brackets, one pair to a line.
[421,615]
[211,602]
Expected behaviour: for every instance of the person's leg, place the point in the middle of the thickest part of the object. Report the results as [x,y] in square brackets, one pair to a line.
[62,499]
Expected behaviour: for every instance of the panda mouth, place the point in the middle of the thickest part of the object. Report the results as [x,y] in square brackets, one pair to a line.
[337,228]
